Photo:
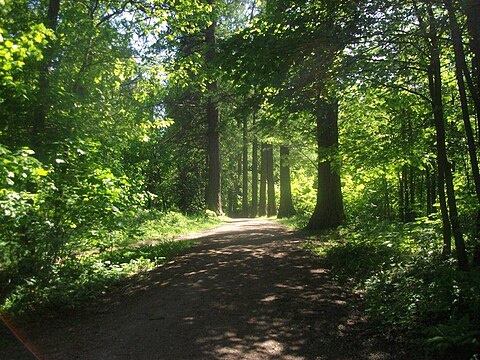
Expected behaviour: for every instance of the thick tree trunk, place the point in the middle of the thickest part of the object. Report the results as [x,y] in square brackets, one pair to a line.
[262,202]
[213,198]
[245,169]
[461,69]
[472,10]
[442,198]
[286,208]
[39,116]
[444,168]
[328,211]
[254,210]
[473,24]
[271,203]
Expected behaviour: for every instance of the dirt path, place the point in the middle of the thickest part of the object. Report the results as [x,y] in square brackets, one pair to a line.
[246,291]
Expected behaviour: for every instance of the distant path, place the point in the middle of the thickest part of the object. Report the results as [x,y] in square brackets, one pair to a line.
[246,291]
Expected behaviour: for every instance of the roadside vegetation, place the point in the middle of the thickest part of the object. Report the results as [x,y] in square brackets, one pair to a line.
[89,265]
[413,292]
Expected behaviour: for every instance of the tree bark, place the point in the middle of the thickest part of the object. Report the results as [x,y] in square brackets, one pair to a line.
[387,206]
[244,168]
[401,198]
[411,208]
[262,205]
[39,116]
[328,211]
[444,168]
[411,213]
[430,180]
[472,11]
[213,198]
[286,208]
[271,203]
[460,68]
[254,210]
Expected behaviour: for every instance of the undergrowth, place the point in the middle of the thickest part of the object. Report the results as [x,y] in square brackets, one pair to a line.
[297,222]
[409,288]
[92,268]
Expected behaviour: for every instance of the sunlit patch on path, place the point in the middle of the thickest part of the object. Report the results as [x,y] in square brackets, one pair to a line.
[247,290]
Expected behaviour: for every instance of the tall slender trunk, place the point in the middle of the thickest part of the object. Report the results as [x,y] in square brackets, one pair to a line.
[262,202]
[387,207]
[411,214]
[430,180]
[472,10]
[271,203]
[444,168]
[254,210]
[244,168]
[238,185]
[39,116]
[328,211]
[238,179]
[213,197]
[411,210]
[401,198]
[286,208]
[404,198]
[461,69]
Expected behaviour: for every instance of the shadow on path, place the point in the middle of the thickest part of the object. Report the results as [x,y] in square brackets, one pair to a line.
[246,291]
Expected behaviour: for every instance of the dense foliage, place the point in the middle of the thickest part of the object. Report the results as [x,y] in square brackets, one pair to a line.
[117,116]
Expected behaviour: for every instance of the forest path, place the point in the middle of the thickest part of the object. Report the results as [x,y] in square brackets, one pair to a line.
[247,290]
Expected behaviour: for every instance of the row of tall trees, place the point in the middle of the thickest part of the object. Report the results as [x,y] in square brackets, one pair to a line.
[414,66]
[362,112]
[336,109]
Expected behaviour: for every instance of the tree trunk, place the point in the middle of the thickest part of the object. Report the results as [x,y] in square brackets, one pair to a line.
[412,214]
[254,210]
[39,116]
[405,195]
[444,168]
[286,208]
[401,202]
[430,180]
[460,67]
[213,198]
[262,205]
[328,211]
[245,169]
[271,204]
[238,179]
[387,206]
[472,10]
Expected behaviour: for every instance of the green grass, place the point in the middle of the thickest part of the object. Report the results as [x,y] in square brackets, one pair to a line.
[84,275]
[296,222]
